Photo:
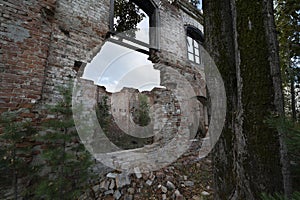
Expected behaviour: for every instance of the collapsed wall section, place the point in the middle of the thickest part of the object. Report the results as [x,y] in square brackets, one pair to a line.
[45,43]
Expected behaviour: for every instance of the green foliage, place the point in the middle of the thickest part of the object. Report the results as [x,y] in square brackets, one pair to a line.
[143,111]
[127,15]
[291,130]
[102,112]
[287,20]
[295,196]
[15,152]
[66,160]
[112,130]
[195,2]
[287,16]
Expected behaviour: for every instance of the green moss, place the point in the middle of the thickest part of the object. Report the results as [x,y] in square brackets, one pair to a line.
[261,161]
[257,98]
[223,166]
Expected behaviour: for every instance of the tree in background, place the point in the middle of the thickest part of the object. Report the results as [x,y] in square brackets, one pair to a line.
[288,27]
[126,17]
[16,152]
[103,114]
[295,196]
[292,130]
[196,3]
[250,157]
[66,162]
[143,111]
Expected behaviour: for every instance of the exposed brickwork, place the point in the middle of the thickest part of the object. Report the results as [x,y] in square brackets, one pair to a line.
[40,42]
[174,46]
[79,30]
[25,37]
[43,42]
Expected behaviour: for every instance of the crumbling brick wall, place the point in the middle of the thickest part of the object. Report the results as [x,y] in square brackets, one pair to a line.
[43,43]
[25,37]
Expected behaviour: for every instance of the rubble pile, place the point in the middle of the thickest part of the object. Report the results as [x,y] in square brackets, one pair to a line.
[187,178]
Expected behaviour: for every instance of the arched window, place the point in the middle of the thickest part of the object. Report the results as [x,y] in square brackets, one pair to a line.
[194,41]
[131,22]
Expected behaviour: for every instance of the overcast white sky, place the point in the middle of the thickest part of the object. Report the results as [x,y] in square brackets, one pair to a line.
[116,67]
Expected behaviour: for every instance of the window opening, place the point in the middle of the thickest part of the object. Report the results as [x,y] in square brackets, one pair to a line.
[131,23]
[194,41]
[193,50]
[196,3]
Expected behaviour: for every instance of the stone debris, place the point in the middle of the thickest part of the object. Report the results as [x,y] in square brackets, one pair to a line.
[111,175]
[128,197]
[137,172]
[117,194]
[189,183]
[152,177]
[204,193]
[160,175]
[164,196]
[196,198]
[108,192]
[130,190]
[179,197]
[169,178]
[177,192]
[122,180]
[149,182]
[112,184]
[104,185]
[176,183]
[96,188]
[185,178]
[164,189]
[170,185]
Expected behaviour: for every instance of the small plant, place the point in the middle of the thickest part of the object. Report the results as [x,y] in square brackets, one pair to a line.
[143,118]
[103,115]
[66,160]
[15,152]
[295,196]
[291,130]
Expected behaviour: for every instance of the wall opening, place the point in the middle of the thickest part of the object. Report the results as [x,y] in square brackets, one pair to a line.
[132,24]
[194,39]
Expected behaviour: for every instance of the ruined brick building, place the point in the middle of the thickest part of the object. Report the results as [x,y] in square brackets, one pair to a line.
[43,44]
[47,43]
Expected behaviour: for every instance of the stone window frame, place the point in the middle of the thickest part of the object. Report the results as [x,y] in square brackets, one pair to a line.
[197,38]
[152,10]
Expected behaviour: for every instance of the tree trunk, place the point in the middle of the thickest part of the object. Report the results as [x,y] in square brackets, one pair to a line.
[250,157]
[293,97]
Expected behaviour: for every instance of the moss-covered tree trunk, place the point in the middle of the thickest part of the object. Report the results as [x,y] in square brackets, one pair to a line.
[249,158]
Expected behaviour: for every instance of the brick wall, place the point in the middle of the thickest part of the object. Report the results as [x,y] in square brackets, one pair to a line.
[79,30]
[43,43]
[25,35]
